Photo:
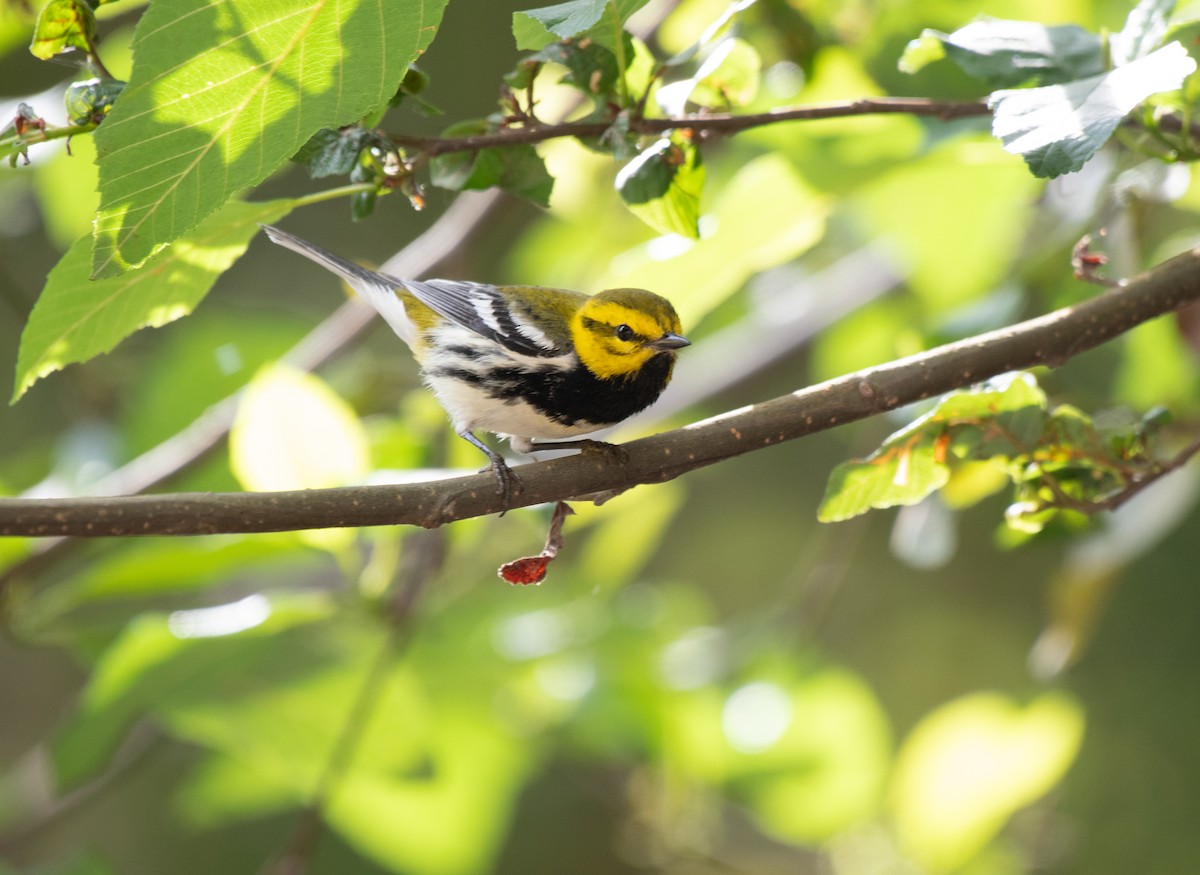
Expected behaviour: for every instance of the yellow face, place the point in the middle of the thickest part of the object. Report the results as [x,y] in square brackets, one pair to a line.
[616,332]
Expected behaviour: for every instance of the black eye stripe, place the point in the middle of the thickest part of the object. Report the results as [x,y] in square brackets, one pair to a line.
[621,332]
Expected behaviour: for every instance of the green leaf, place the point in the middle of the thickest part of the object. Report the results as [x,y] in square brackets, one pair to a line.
[76,318]
[164,661]
[536,28]
[591,67]
[971,764]
[90,101]
[516,169]
[662,186]
[921,52]
[62,26]
[333,153]
[222,94]
[913,462]
[1144,31]
[729,76]
[1057,128]
[767,214]
[891,477]
[293,432]
[1008,53]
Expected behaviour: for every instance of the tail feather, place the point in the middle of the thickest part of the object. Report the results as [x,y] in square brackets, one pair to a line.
[379,290]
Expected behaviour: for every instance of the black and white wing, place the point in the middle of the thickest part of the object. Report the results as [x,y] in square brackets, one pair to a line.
[484,309]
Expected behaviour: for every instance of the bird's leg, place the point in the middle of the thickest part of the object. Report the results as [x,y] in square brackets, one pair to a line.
[507,480]
[613,452]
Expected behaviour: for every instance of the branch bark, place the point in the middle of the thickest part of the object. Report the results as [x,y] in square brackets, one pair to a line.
[1047,340]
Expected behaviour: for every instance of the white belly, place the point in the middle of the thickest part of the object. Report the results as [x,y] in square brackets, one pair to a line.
[471,408]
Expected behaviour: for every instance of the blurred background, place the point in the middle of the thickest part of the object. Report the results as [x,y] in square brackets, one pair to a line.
[710,681]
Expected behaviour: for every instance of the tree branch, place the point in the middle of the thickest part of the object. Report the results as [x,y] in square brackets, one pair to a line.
[724,123]
[1047,340]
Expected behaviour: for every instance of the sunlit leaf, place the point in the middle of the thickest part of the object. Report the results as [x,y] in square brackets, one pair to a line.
[895,476]
[77,318]
[662,186]
[222,94]
[293,432]
[970,765]
[1057,128]
[161,661]
[451,823]
[1008,53]
[729,76]
[534,29]
[766,213]
[62,26]
[811,757]
[915,461]
[1143,32]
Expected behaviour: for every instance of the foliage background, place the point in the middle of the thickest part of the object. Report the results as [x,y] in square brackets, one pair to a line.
[710,681]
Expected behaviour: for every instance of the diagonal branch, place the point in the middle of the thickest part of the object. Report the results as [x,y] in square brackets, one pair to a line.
[1048,340]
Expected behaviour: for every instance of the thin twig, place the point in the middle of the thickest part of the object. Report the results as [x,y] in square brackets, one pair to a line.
[1134,487]
[715,123]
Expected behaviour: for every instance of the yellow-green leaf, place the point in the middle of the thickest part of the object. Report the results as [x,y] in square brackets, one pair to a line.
[293,432]
[77,318]
[63,25]
[223,94]
[971,764]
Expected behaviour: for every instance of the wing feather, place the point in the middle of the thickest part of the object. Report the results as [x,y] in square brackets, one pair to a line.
[483,309]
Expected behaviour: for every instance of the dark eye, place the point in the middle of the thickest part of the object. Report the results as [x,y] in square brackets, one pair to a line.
[624,332]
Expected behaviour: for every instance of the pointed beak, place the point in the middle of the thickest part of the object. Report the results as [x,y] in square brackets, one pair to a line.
[669,342]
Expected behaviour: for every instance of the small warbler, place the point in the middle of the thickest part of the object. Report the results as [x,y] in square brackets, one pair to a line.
[523,362]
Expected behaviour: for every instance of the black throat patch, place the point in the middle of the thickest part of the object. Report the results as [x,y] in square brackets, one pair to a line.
[577,395]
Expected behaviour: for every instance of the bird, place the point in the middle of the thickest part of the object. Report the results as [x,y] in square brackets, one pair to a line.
[527,363]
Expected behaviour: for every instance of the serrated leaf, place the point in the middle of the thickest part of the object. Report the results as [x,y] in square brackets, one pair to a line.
[1008,53]
[516,169]
[591,67]
[63,25]
[1143,32]
[334,153]
[293,432]
[662,186]
[77,318]
[910,464]
[900,476]
[1057,128]
[535,29]
[222,94]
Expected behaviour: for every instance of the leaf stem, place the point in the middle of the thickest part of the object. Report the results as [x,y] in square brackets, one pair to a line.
[329,194]
[10,145]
